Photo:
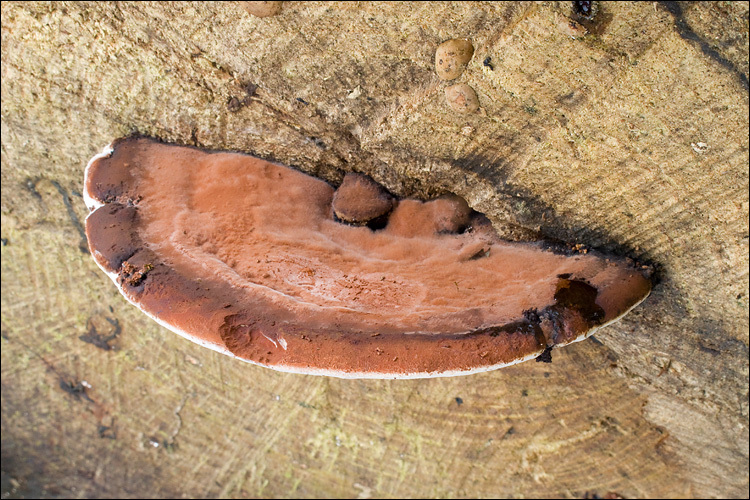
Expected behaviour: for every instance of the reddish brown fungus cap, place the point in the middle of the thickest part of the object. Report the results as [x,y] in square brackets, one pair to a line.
[246,257]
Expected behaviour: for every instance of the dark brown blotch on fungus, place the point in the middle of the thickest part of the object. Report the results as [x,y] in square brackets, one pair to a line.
[252,259]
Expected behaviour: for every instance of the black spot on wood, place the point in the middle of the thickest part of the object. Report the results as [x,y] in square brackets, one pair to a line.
[30,185]
[75,389]
[107,432]
[83,245]
[318,142]
[545,357]
[250,90]
[234,103]
[596,340]
[584,9]
[98,339]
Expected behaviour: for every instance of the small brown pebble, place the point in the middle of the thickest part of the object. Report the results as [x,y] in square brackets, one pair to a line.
[451,58]
[462,98]
[262,9]
[360,199]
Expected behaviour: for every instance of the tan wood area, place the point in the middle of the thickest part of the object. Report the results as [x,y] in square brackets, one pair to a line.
[632,138]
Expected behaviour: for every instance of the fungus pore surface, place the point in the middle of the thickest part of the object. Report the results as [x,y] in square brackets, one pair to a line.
[247,257]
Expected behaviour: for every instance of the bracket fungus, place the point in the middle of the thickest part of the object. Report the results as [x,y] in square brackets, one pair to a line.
[246,257]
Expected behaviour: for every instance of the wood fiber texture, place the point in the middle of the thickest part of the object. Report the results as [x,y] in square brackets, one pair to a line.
[632,139]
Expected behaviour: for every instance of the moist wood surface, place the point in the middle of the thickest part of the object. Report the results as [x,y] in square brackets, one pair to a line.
[633,138]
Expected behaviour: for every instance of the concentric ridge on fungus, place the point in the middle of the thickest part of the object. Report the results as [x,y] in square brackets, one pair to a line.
[246,257]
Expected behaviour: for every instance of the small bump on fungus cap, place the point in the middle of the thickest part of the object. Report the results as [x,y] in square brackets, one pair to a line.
[360,200]
[246,257]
